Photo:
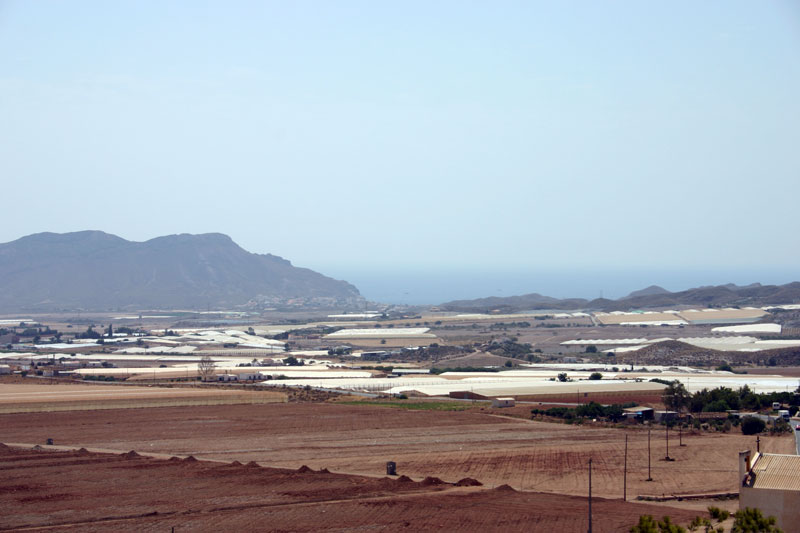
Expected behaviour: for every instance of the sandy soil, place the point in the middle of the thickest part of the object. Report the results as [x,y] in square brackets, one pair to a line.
[789,371]
[68,491]
[497,450]
[28,397]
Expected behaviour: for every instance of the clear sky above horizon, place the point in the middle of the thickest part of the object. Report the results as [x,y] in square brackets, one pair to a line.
[368,137]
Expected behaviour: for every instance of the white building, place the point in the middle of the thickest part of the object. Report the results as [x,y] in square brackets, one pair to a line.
[503,402]
[770,482]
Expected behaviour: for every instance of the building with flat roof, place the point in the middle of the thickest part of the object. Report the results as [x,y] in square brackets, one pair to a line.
[503,402]
[770,482]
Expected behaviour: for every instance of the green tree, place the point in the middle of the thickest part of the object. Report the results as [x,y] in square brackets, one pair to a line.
[752,425]
[563,377]
[596,376]
[676,397]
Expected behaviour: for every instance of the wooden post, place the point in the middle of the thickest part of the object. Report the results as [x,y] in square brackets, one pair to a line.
[590,495]
[649,477]
[625,473]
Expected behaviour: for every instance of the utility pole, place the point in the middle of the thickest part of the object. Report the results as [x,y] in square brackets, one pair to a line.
[649,477]
[667,457]
[625,473]
[758,444]
[590,495]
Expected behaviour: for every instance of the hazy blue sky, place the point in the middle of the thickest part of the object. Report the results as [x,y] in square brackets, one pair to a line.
[371,139]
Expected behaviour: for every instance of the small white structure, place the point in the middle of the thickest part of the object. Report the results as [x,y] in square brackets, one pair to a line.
[503,402]
[5,369]
[227,377]
[252,376]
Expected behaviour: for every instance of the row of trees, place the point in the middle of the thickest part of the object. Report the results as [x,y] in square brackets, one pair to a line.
[722,399]
[592,410]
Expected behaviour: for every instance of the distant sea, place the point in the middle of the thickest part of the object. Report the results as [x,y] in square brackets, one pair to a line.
[434,287]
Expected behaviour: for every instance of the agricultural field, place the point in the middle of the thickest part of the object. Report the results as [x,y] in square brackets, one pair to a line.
[480,443]
[529,470]
[58,490]
[29,398]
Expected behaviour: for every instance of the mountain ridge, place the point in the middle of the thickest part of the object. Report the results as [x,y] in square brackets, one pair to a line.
[654,296]
[94,270]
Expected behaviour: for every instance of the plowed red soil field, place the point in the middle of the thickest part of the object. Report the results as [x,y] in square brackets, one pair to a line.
[527,455]
[84,491]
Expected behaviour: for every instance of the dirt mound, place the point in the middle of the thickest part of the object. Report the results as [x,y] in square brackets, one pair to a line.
[304,470]
[130,455]
[506,488]
[476,359]
[672,352]
[235,463]
[468,482]
[190,459]
[405,479]
[83,451]
[4,448]
[428,481]
[37,447]
[174,459]
[253,464]
[324,471]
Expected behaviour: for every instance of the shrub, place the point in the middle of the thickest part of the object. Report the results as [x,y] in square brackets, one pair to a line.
[752,425]
[746,520]
[718,514]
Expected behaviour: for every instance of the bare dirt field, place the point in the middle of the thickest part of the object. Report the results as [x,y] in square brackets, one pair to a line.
[69,491]
[789,371]
[26,398]
[496,450]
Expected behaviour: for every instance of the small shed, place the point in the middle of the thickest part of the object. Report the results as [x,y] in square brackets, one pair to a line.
[503,402]
[666,416]
[5,369]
